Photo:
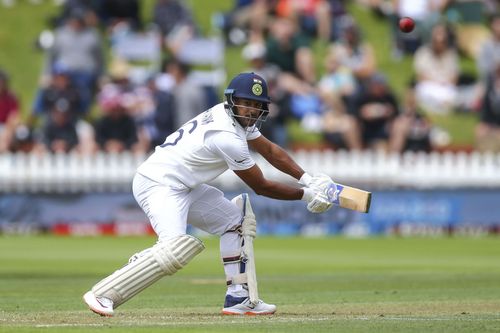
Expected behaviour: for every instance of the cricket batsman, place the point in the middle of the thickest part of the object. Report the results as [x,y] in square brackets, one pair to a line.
[170,186]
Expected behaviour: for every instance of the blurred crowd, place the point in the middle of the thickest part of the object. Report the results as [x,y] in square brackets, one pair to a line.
[130,101]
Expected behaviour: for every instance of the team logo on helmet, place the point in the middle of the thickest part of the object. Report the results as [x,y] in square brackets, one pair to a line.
[257,89]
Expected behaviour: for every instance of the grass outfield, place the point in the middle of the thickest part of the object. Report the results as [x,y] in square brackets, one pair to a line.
[319,285]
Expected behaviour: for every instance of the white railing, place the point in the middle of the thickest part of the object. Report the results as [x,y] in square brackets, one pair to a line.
[114,172]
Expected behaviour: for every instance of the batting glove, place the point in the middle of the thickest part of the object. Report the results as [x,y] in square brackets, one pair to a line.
[316,202]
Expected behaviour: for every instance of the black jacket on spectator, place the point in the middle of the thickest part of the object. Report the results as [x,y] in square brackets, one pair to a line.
[120,128]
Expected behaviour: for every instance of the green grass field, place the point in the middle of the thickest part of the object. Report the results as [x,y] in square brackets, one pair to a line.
[319,285]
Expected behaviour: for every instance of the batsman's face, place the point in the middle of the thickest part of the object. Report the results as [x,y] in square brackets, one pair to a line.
[248,110]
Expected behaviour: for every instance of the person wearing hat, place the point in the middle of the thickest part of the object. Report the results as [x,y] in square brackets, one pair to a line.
[171,187]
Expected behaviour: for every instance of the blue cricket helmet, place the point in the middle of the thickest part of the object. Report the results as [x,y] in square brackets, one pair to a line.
[248,86]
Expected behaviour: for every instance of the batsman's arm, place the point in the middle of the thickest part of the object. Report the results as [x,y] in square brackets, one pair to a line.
[254,178]
[277,156]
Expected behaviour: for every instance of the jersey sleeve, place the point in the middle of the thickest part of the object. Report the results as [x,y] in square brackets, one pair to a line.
[253,133]
[232,148]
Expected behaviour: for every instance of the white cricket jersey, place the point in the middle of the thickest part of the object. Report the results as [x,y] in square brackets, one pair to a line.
[201,150]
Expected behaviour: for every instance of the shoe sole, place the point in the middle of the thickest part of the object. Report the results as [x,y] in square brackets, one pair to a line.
[248,313]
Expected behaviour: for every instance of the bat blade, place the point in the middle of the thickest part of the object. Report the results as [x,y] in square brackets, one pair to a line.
[349,197]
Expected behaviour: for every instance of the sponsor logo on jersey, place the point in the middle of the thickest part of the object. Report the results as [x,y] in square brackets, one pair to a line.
[207,117]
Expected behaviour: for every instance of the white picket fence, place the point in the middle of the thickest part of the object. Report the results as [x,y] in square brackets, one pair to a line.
[62,173]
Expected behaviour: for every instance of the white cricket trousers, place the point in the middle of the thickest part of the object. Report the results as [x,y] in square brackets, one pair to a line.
[171,207]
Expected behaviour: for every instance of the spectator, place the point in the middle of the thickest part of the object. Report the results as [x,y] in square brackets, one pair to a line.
[59,90]
[468,18]
[116,130]
[376,109]
[489,54]
[487,131]
[290,50]
[113,12]
[59,134]
[341,130]
[137,99]
[312,16]
[62,94]
[23,140]
[90,7]
[164,113]
[437,71]
[190,98]
[352,52]
[247,21]
[320,19]
[255,54]
[411,130]
[77,48]
[337,88]
[339,16]
[9,112]
[337,82]
[176,23]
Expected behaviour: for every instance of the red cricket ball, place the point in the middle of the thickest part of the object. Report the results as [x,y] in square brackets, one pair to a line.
[406,24]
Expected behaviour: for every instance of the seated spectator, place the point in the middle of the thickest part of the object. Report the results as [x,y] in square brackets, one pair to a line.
[411,130]
[336,89]
[341,130]
[59,90]
[489,54]
[308,108]
[190,98]
[467,18]
[337,82]
[138,99]
[255,55]
[61,93]
[376,109]
[164,113]
[176,23]
[9,112]
[352,52]
[90,8]
[290,50]
[113,12]
[339,15]
[77,48]
[437,71]
[313,16]
[59,134]
[247,21]
[23,140]
[115,130]
[487,131]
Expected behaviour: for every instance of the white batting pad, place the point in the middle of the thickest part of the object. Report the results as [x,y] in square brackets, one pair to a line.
[164,258]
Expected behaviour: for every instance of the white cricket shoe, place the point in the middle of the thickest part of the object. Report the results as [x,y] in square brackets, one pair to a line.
[101,305]
[242,306]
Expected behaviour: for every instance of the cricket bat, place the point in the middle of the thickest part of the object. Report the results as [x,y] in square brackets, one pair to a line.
[349,197]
